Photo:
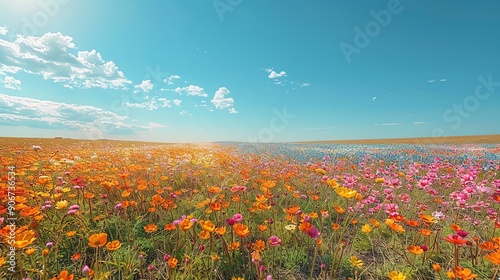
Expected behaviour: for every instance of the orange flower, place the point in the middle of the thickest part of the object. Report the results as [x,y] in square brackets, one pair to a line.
[207,225]
[172,262]
[339,209]
[428,219]
[220,230]
[494,257]
[259,245]
[150,228]
[29,251]
[305,226]
[234,246]
[185,224]
[375,223]
[98,240]
[335,226]
[76,257]
[332,183]
[463,273]
[436,267]
[24,239]
[113,245]
[214,190]
[414,249]
[28,211]
[64,275]
[412,223]
[169,227]
[241,230]
[488,246]
[262,227]
[425,232]
[70,233]
[292,210]
[204,234]
[455,227]
[215,206]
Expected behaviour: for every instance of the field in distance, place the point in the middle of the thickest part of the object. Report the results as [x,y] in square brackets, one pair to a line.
[475,139]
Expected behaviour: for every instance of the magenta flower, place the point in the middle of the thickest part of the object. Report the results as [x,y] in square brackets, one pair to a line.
[274,241]
[313,232]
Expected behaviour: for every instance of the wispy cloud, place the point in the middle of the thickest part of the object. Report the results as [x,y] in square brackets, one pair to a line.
[419,123]
[3,30]
[35,113]
[11,83]
[170,80]
[53,56]
[436,80]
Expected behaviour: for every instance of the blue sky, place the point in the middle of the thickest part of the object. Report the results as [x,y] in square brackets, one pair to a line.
[240,70]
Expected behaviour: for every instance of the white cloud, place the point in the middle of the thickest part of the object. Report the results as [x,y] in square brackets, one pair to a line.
[374,98]
[431,81]
[177,102]
[233,111]
[220,101]
[170,80]
[305,84]
[191,90]
[11,83]
[145,86]
[418,123]
[3,30]
[183,112]
[53,57]
[35,113]
[443,80]
[273,74]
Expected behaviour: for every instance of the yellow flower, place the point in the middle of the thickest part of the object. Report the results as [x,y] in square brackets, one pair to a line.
[355,262]
[394,275]
[366,228]
[2,261]
[345,192]
[207,225]
[62,204]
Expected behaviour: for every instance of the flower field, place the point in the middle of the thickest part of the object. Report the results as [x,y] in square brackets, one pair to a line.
[76,209]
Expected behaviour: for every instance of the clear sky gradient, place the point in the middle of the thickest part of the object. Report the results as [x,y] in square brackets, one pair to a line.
[241,70]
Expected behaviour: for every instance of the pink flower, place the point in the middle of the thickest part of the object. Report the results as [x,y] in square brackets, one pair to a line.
[274,241]
[237,218]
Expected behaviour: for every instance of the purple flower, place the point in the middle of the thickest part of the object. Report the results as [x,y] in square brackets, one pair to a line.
[74,207]
[151,267]
[49,245]
[72,212]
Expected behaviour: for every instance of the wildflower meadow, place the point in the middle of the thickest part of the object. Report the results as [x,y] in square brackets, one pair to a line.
[74,209]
